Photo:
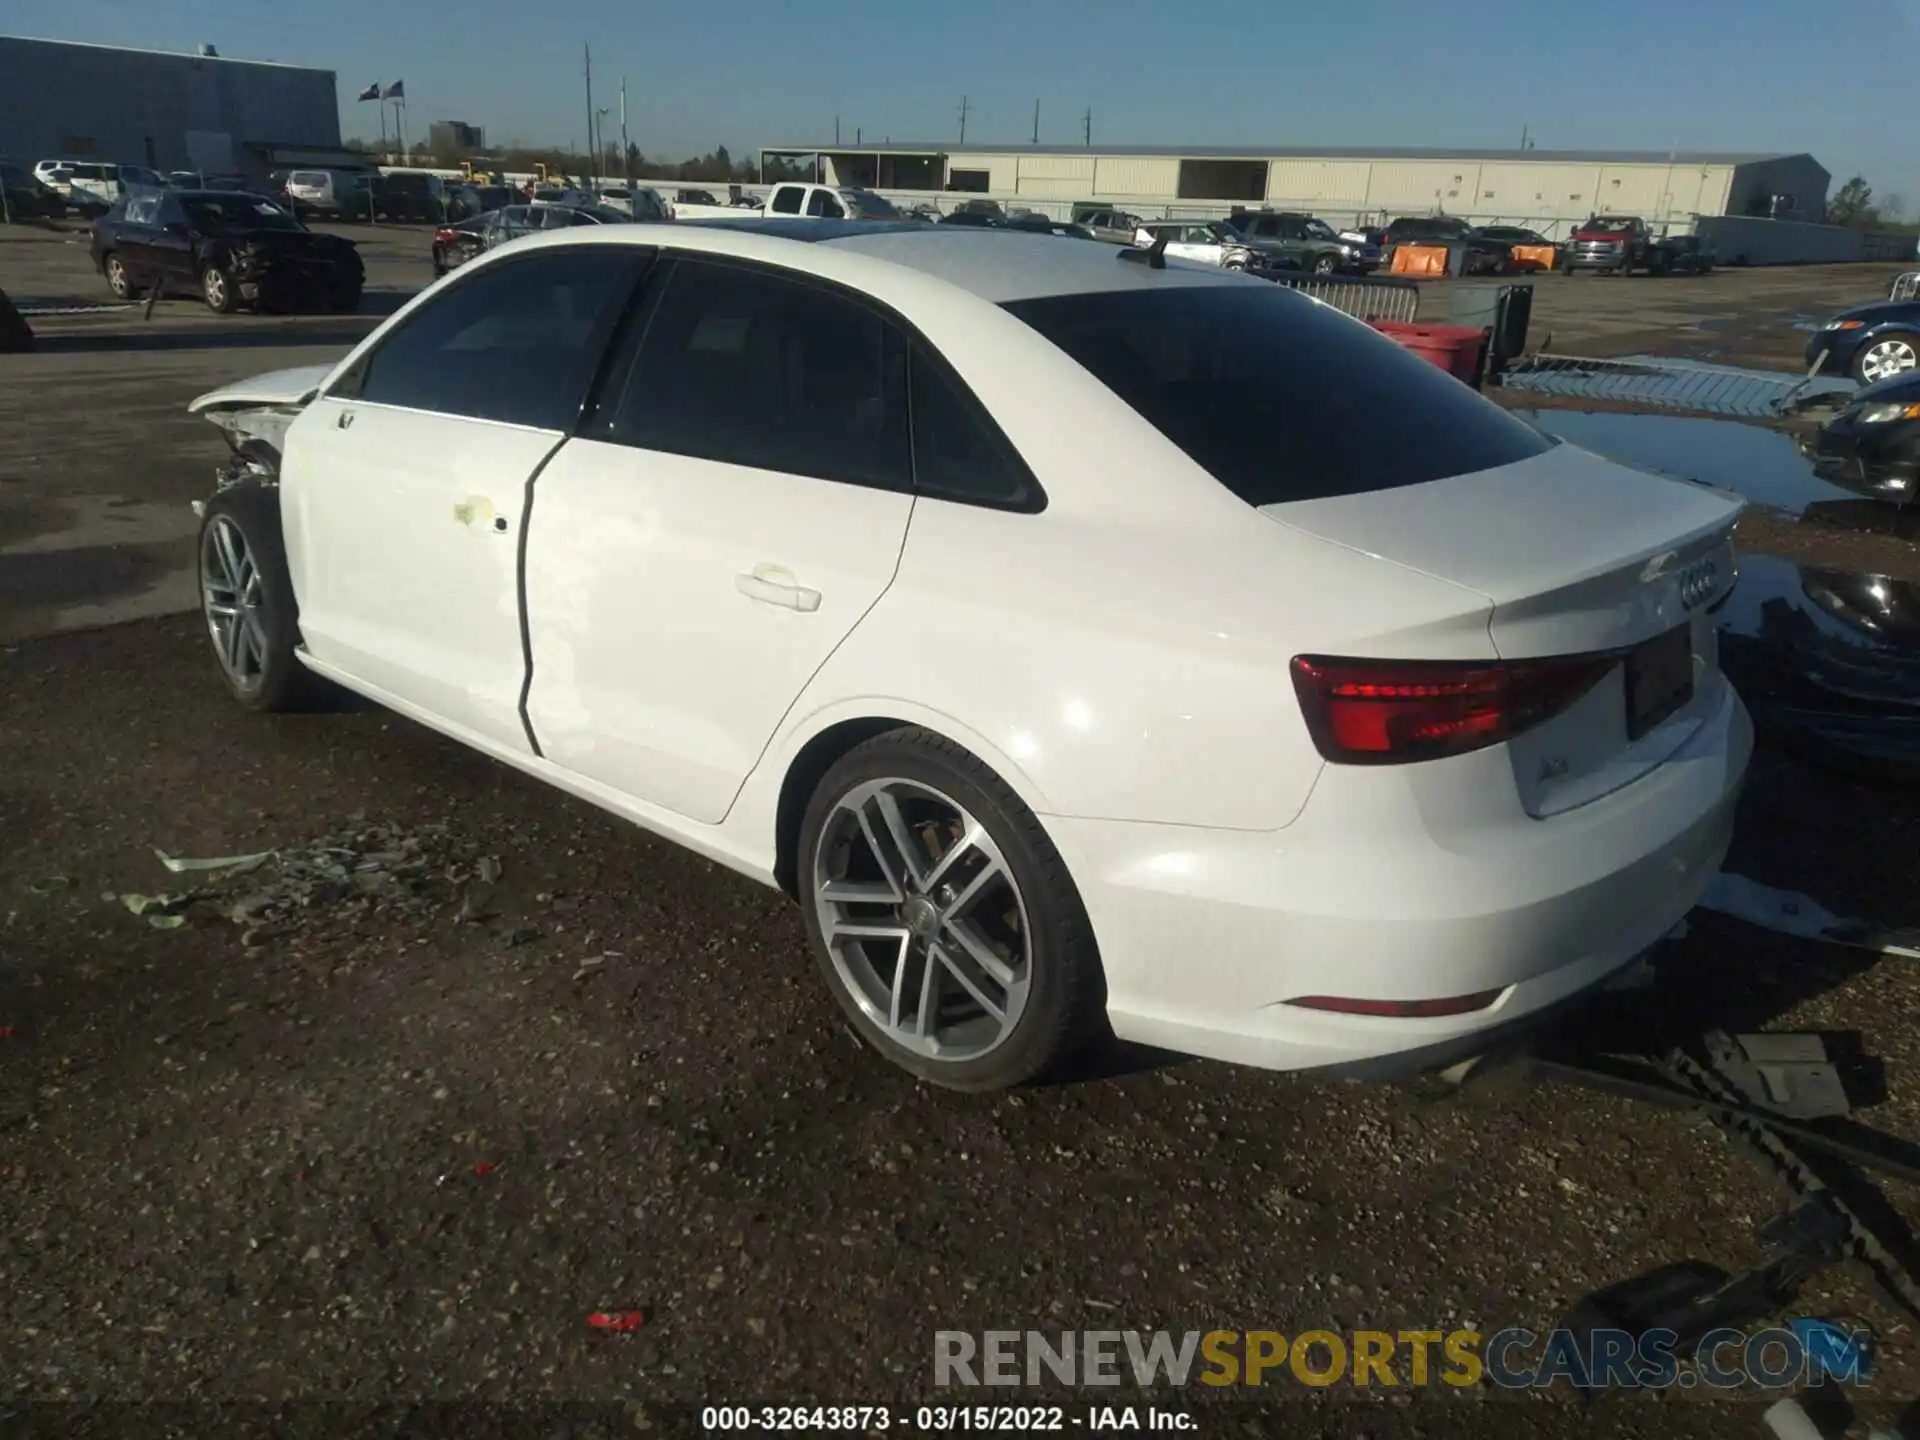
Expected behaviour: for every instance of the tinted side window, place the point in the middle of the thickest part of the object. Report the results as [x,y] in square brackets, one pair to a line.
[516,342]
[141,209]
[786,200]
[1236,380]
[751,368]
[824,205]
[958,452]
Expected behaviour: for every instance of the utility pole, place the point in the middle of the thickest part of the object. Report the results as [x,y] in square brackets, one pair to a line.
[1036,122]
[1525,144]
[626,148]
[836,129]
[1086,127]
[587,51]
[964,108]
[856,134]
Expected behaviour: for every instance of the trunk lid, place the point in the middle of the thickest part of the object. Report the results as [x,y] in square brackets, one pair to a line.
[1577,555]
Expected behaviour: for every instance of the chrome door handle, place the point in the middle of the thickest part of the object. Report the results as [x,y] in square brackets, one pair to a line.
[772,592]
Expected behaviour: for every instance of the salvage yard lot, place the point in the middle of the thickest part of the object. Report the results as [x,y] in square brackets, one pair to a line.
[402,1149]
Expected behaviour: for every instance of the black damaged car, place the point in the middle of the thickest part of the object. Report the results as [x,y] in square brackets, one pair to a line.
[230,249]
[1872,447]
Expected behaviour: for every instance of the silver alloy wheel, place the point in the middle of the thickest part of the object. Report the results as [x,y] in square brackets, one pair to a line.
[230,597]
[214,283]
[117,276]
[923,919]
[1887,357]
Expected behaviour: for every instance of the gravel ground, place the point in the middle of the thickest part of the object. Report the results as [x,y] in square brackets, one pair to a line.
[400,1145]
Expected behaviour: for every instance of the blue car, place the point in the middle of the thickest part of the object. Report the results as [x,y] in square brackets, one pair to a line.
[1869,342]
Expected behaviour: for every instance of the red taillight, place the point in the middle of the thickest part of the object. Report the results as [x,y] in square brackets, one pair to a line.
[443,236]
[1392,712]
[1399,1009]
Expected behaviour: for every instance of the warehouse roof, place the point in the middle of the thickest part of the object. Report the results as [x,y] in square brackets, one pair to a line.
[168,54]
[1300,152]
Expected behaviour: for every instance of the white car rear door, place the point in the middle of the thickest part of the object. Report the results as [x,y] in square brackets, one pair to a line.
[731,511]
[404,485]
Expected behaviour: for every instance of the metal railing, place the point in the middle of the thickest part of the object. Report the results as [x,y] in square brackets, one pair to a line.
[1369,299]
[1658,384]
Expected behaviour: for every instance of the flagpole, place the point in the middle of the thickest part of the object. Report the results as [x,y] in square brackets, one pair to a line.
[626,151]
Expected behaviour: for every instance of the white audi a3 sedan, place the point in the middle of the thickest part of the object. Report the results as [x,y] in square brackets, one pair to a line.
[1085,642]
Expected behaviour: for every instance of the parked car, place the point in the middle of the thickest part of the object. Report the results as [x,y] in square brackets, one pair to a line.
[1869,342]
[637,203]
[1116,227]
[1311,243]
[229,249]
[458,242]
[1514,235]
[331,194]
[1480,254]
[1214,242]
[1621,244]
[1140,711]
[411,196]
[29,197]
[978,219]
[1035,223]
[829,202]
[78,178]
[1872,447]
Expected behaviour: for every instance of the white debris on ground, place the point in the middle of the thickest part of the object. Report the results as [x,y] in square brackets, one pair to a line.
[376,869]
[1791,913]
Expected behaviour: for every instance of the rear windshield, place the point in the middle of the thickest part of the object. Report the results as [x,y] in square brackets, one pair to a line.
[872,206]
[1279,397]
[240,212]
[1608,225]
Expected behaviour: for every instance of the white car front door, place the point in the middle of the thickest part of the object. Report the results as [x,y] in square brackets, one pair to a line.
[1195,242]
[404,485]
[734,507]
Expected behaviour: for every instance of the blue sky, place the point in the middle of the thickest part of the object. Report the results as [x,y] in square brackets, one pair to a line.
[1833,77]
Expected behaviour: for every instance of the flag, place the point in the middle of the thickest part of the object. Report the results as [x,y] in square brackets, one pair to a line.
[396,91]
[372,92]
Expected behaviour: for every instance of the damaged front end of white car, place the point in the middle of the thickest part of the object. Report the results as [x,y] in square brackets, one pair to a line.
[254,415]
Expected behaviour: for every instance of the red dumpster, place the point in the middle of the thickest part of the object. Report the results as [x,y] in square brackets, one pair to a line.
[1457,349]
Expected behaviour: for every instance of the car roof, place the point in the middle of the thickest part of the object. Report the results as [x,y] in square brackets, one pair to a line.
[998,265]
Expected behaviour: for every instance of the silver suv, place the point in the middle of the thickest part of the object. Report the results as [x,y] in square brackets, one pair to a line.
[1212,242]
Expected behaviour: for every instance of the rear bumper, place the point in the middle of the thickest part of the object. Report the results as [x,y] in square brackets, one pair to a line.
[1390,894]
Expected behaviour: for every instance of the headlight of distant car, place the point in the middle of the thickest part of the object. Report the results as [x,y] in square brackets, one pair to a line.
[1843,324]
[1882,414]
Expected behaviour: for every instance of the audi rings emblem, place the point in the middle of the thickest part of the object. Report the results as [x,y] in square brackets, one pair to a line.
[1699,582]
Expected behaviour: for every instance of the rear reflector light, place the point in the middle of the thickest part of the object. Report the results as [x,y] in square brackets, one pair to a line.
[1393,712]
[1399,1009]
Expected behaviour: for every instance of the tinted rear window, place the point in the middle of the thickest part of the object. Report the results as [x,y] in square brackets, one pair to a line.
[1279,397]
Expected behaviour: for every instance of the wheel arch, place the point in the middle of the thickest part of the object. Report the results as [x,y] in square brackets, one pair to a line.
[830,735]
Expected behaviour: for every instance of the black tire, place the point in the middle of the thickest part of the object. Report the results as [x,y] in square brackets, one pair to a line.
[347,301]
[1066,1000]
[1326,265]
[218,290]
[118,280]
[282,682]
[1659,263]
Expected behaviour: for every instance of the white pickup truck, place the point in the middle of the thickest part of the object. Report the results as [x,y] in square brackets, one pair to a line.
[829,202]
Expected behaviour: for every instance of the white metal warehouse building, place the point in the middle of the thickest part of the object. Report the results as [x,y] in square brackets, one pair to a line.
[70,101]
[1543,189]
